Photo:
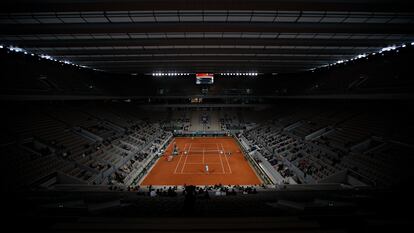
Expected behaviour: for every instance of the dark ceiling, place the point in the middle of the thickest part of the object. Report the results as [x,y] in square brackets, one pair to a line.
[205,35]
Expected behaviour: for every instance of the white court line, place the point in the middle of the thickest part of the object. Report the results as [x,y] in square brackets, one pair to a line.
[211,155]
[199,163]
[181,155]
[228,164]
[201,150]
[204,143]
[222,166]
[185,160]
[202,173]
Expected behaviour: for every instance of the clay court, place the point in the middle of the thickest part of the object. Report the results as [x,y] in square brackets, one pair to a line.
[226,164]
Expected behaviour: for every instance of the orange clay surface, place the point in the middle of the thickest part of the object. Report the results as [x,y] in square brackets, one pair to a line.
[190,168]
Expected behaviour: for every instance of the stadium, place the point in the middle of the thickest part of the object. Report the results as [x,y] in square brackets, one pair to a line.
[207,115]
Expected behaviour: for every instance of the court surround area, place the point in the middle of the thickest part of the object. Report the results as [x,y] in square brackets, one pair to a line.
[202,161]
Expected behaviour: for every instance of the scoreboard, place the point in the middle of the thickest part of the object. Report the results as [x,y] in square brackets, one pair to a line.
[204,78]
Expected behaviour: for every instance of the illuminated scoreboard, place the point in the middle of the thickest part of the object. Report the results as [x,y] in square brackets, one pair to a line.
[204,78]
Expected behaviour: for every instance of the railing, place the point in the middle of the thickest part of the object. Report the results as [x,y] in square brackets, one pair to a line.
[266,180]
[148,163]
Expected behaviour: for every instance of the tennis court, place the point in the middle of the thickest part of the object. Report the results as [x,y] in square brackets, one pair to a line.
[202,161]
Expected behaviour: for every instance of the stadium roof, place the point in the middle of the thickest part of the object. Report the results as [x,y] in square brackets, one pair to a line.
[205,35]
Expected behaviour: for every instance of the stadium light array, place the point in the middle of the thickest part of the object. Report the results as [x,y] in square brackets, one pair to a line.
[390,48]
[160,74]
[43,56]
[240,74]
[16,49]
[361,56]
